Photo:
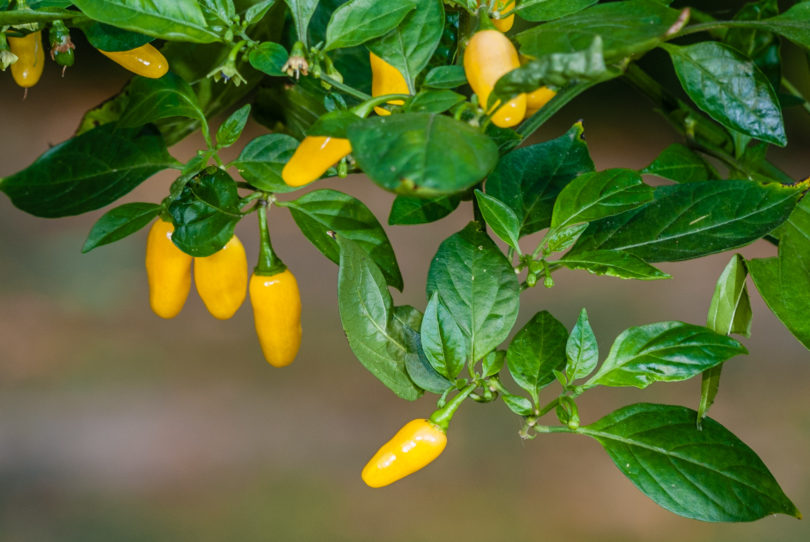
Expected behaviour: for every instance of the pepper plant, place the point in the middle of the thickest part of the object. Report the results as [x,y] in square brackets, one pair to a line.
[437,101]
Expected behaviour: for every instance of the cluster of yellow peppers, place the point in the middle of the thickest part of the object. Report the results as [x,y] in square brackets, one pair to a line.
[222,281]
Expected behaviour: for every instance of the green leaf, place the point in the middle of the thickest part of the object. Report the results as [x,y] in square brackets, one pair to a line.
[548,10]
[180,20]
[794,24]
[536,351]
[561,240]
[492,363]
[230,130]
[302,11]
[263,159]
[205,213]
[257,11]
[477,284]
[407,210]
[421,153]
[557,69]
[269,58]
[784,284]
[88,171]
[592,196]
[729,312]
[663,352]
[692,220]
[409,46]
[153,99]
[366,311]
[110,38]
[581,349]
[613,263]
[708,475]
[358,21]
[748,41]
[529,179]
[335,123]
[320,212]
[500,218]
[730,89]
[444,343]
[517,404]
[626,28]
[445,77]
[679,163]
[434,101]
[408,320]
[120,222]
[730,309]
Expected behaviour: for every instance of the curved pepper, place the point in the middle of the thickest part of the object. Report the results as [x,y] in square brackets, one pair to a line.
[488,56]
[30,59]
[386,79]
[314,155]
[145,61]
[222,278]
[168,270]
[277,316]
[418,443]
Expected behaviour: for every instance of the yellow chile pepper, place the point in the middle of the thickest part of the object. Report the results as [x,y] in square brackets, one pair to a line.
[386,79]
[168,270]
[222,279]
[536,99]
[277,316]
[488,56]
[418,443]
[314,155]
[503,6]
[31,59]
[144,60]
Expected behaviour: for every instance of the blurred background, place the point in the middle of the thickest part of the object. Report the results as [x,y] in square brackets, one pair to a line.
[118,425]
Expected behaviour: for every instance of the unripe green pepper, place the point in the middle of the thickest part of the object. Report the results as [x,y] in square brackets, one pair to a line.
[222,278]
[168,270]
[61,45]
[414,446]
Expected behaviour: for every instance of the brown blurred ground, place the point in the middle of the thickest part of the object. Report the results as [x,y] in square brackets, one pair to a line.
[117,425]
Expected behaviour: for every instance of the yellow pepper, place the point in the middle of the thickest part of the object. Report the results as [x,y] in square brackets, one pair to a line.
[314,155]
[418,443]
[31,59]
[277,316]
[168,270]
[144,60]
[222,279]
[536,99]
[505,24]
[386,79]
[488,56]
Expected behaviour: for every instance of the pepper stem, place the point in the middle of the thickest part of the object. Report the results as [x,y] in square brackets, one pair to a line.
[269,264]
[443,415]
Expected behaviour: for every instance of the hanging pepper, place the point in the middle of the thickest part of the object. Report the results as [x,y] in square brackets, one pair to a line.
[61,45]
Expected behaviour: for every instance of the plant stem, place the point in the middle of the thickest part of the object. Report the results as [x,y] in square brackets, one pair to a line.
[269,264]
[359,94]
[443,415]
[790,87]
